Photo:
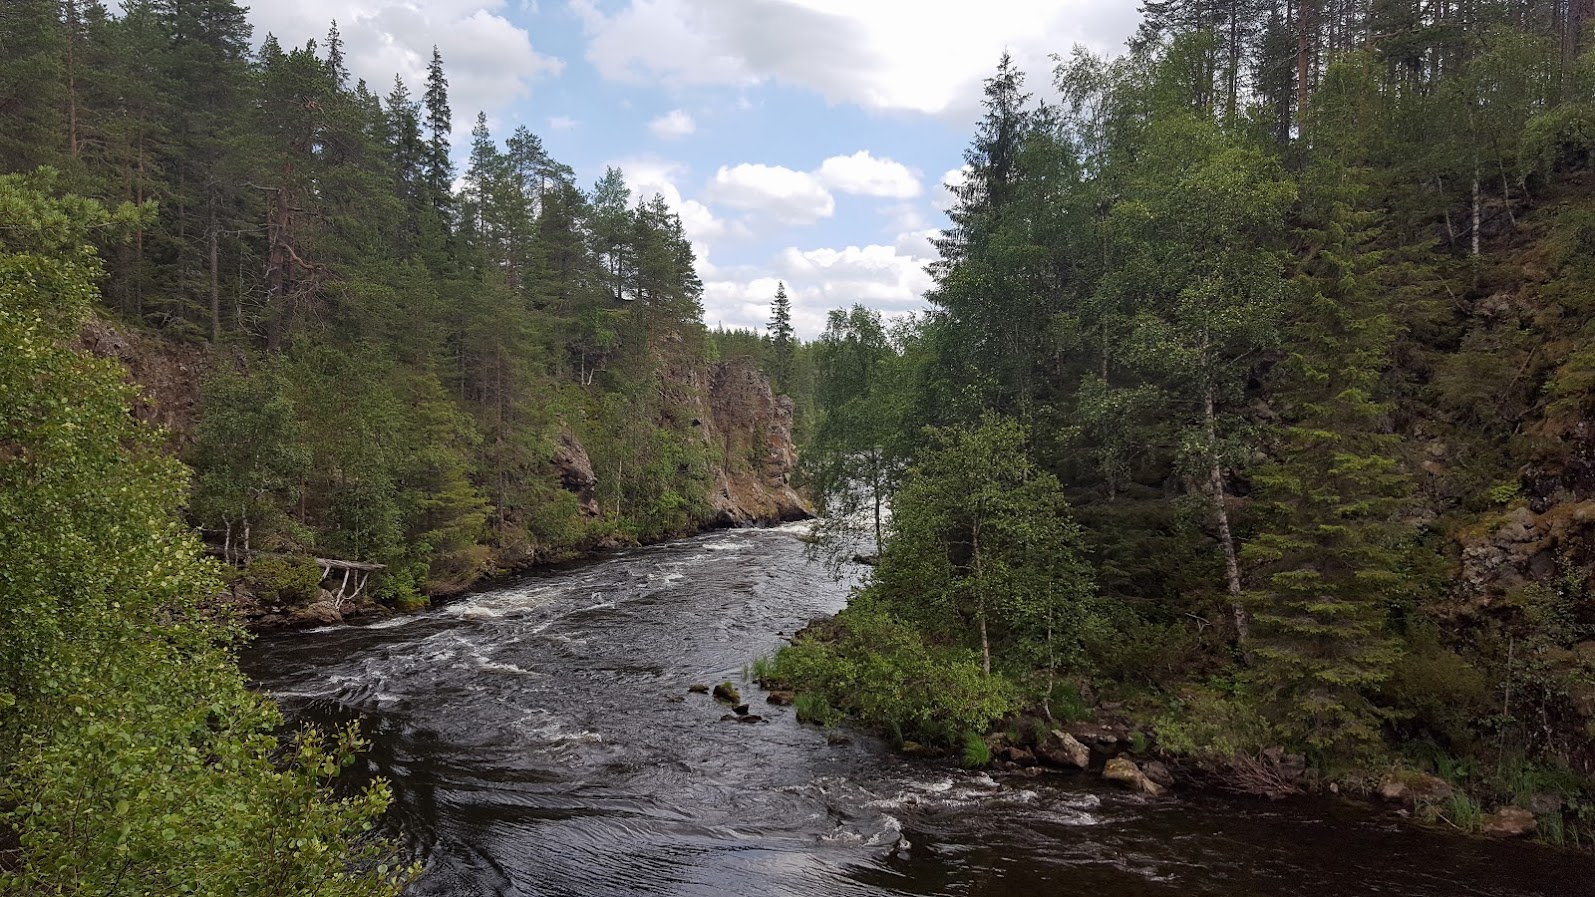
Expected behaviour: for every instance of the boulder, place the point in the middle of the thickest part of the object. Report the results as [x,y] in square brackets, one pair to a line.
[726,693]
[324,612]
[1159,773]
[1017,755]
[1123,771]
[1414,788]
[740,710]
[1102,737]
[1063,750]
[1546,803]
[1509,822]
[750,718]
[575,470]
[699,689]
[780,698]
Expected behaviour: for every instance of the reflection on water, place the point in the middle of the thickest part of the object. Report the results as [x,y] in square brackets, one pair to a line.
[540,740]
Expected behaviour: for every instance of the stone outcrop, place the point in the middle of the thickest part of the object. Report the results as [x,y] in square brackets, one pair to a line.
[575,471]
[752,428]
[1414,788]
[168,372]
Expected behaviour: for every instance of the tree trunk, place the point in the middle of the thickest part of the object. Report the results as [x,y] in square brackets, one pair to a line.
[215,281]
[1477,215]
[980,603]
[875,487]
[1302,46]
[1226,538]
[71,78]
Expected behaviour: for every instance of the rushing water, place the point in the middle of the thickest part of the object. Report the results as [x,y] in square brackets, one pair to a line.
[540,740]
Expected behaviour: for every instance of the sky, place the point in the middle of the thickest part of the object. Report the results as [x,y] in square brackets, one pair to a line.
[801,141]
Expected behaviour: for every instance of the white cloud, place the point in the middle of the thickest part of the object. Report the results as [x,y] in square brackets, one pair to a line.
[866,175]
[891,279]
[945,198]
[562,123]
[920,55]
[790,197]
[673,125]
[649,175]
[488,59]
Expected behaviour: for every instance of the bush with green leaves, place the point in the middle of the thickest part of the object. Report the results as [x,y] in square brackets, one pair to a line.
[881,671]
[133,759]
[284,580]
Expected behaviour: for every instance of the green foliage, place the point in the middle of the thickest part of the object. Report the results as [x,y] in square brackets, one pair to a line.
[977,753]
[1462,811]
[1213,723]
[883,672]
[284,580]
[815,710]
[132,756]
[982,552]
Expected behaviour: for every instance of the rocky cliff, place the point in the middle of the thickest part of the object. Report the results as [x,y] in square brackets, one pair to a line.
[753,430]
[729,402]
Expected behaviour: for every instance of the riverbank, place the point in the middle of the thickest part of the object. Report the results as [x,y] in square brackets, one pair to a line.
[260,614]
[861,670]
[540,737]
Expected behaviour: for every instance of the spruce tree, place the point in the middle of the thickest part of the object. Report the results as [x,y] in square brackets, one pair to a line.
[437,167]
[782,343]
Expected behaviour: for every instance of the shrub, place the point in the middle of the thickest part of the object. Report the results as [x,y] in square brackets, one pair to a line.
[815,709]
[880,671]
[284,580]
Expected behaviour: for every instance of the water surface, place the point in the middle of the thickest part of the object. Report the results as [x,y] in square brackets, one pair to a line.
[541,741]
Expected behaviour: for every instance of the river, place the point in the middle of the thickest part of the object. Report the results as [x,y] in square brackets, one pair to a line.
[541,740]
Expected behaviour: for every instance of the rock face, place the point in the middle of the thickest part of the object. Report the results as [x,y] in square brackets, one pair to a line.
[576,472]
[1123,771]
[753,430]
[169,373]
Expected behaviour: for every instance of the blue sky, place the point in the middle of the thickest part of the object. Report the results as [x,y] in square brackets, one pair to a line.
[805,141]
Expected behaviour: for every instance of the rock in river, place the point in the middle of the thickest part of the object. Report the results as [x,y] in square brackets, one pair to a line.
[1124,771]
[1509,822]
[726,693]
[1063,749]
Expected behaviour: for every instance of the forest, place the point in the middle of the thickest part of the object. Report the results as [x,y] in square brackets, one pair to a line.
[1253,405]
[387,363]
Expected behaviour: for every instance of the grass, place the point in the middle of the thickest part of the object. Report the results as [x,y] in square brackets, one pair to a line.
[1463,812]
[812,708]
[977,753]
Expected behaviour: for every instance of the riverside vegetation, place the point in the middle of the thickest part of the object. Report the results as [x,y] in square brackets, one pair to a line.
[1253,410]
[358,361]
[1254,401]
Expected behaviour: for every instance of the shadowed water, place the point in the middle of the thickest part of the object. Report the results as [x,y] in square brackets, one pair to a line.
[540,740]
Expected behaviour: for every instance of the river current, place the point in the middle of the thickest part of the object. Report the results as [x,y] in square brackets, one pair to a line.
[541,740]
